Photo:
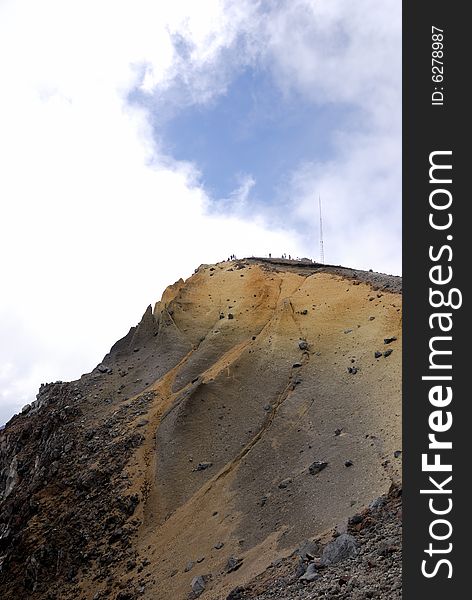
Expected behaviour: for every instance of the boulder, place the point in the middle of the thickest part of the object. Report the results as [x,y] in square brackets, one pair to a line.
[339,549]
[310,574]
[308,550]
[198,585]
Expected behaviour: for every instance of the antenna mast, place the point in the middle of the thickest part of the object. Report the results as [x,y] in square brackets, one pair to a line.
[321,233]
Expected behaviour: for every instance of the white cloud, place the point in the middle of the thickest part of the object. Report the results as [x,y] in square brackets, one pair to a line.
[239,200]
[96,218]
[95,221]
[348,53]
[337,51]
[361,199]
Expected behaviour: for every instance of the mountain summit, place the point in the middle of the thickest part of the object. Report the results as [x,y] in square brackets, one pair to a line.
[246,433]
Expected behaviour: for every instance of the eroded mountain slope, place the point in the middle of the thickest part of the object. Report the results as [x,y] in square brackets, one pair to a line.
[258,405]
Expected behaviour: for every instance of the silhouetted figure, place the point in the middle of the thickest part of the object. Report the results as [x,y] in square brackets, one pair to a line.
[270,255]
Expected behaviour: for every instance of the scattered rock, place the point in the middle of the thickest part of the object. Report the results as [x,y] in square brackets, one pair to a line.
[348,331]
[389,340]
[198,585]
[236,594]
[303,345]
[285,483]
[348,463]
[125,595]
[356,519]
[317,466]
[377,354]
[352,370]
[377,504]
[397,453]
[338,431]
[387,547]
[218,545]
[230,316]
[296,365]
[388,352]
[367,564]
[233,564]
[189,566]
[131,564]
[203,466]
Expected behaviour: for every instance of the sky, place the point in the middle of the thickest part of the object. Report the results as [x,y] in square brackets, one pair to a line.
[140,139]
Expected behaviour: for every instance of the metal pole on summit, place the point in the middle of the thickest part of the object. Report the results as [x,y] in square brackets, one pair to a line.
[321,233]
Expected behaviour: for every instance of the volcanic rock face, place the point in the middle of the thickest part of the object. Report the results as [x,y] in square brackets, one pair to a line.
[256,407]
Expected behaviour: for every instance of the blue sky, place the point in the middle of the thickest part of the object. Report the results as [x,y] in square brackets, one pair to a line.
[252,130]
[143,138]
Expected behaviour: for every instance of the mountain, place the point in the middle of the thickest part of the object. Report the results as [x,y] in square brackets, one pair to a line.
[245,435]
